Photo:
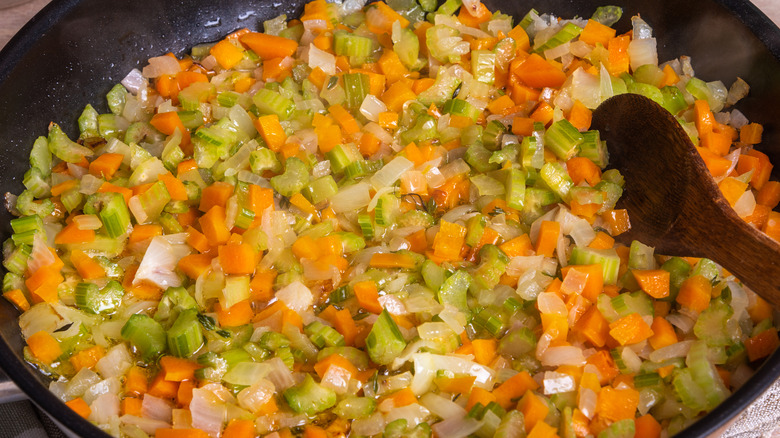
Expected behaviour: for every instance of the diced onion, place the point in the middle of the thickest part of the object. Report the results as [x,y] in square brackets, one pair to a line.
[156,408]
[371,107]
[564,355]
[135,81]
[351,198]
[161,65]
[324,60]
[680,349]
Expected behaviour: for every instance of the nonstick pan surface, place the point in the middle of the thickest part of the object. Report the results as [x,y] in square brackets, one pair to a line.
[73,52]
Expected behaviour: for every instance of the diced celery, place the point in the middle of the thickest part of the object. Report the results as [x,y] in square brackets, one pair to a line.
[706,268]
[641,256]
[407,46]
[356,47]
[320,189]
[184,336]
[619,429]
[40,156]
[711,325]
[309,397]
[264,159]
[674,100]
[607,15]
[92,299]
[563,139]
[460,107]
[557,179]
[356,87]
[517,342]
[88,122]
[294,178]
[385,341]
[475,227]
[492,135]
[108,126]
[271,102]
[64,148]
[567,33]
[147,335]
[442,89]
[116,98]
[454,290]
[492,265]
[322,335]
[355,407]
[483,66]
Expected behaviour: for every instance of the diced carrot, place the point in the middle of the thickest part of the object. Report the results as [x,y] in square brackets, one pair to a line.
[654,282]
[449,241]
[543,113]
[226,54]
[238,258]
[583,169]
[764,170]
[213,225]
[534,409]
[481,396]
[71,234]
[146,291]
[596,33]
[548,238]
[368,296]
[618,55]
[630,329]
[537,72]
[184,392]
[769,194]
[131,406]
[136,382]
[180,433]
[751,133]
[175,187]
[593,326]
[142,232]
[474,16]
[663,333]
[217,193]
[238,428]
[87,358]
[87,267]
[79,406]
[602,241]
[381,19]
[762,345]
[159,387]
[342,321]
[44,347]
[484,350]
[269,46]
[695,293]
[17,297]
[497,106]
[105,165]
[670,76]
[580,116]
[194,265]
[523,126]
[543,430]
[617,220]
[271,130]
[457,385]
[391,260]
[514,388]
[617,404]
[703,117]
[322,366]
[348,123]
[759,310]
[195,239]
[394,97]
[262,284]
[176,369]
[602,360]
[238,314]
[107,187]
[717,142]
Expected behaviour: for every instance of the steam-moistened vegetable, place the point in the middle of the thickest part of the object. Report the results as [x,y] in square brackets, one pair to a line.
[382,221]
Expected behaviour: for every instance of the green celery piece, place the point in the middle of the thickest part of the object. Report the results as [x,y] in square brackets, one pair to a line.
[172,154]
[88,123]
[356,87]
[607,15]
[64,148]
[138,131]
[320,189]
[16,261]
[563,139]
[191,97]
[649,91]
[632,302]
[108,126]
[385,341]
[352,45]
[40,156]
[706,376]
[34,182]
[12,281]
[711,325]
[447,8]
[323,335]
[294,178]
[508,153]
[415,218]
[441,40]
[531,153]
[27,223]
[341,156]
[358,357]
[92,299]
[442,89]
[351,242]
[674,100]
[309,397]
[706,268]
[517,342]
[454,290]
[492,265]
[353,407]
[153,201]
[490,318]
[478,156]
[147,335]
[641,256]
[535,201]
[26,205]
[115,215]
[512,422]
[557,179]
[387,209]
[433,275]
[407,47]
[475,227]
[184,336]
[607,258]
[492,135]
[515,189]
[678,271]
[483,66]
[395,429]
[424,129]
[612,191]
[619,429]
[236,290]
[264,159]
[460,107]
[567,33]
[594,149]
[116,98]
[147,171]
[271,102]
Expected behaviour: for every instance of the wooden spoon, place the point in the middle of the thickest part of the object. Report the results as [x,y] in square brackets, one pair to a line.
[672,200]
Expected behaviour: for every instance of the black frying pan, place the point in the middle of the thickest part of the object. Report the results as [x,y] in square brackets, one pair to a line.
[72,53]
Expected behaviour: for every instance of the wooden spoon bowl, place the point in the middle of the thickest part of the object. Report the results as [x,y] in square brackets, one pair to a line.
[672,200]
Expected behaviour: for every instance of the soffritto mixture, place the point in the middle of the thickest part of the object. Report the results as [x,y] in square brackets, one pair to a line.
[382,221]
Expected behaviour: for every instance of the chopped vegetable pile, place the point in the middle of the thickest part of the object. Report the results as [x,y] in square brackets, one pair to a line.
[382,221]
